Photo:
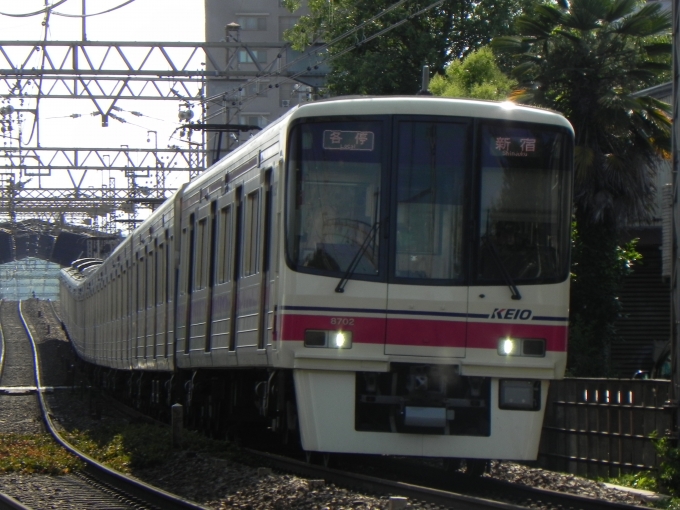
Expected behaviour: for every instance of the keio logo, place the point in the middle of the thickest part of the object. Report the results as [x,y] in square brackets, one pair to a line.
[511,314]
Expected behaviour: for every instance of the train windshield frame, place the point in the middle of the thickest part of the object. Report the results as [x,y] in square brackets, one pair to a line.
[524,204]
[334,197]
[391,199]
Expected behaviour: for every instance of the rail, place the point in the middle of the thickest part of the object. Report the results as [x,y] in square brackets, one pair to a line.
[136,488]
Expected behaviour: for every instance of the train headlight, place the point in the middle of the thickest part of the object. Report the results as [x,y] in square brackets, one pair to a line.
[531,347]
[508,346]
[340,339]
[331,339]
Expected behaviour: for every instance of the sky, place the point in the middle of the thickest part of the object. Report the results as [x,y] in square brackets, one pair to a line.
[141,20]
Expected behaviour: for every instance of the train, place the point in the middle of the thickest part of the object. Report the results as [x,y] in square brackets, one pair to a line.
[372,275]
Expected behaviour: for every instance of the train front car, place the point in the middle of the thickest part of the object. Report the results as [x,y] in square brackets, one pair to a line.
[424,300]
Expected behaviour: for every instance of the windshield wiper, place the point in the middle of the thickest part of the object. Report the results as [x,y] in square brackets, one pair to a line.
[504,270]
[340,287]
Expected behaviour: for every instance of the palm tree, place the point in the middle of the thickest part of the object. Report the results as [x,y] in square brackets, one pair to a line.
[586,59]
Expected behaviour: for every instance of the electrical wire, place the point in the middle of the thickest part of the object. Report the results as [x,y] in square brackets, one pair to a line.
[322,48]
[93,14]
[325,47]
[47,8]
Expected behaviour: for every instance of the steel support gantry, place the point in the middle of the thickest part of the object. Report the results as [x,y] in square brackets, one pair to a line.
[105,73]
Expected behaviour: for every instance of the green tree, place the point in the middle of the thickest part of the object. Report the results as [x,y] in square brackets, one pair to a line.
[587,59]
[476,75]
[391,63]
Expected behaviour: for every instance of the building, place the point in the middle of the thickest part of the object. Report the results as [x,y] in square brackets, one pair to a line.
[644,327]
[261,88]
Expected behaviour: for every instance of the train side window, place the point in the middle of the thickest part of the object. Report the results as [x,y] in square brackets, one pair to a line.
[200,254]
[190,282]
[212,246]
[160,274]
[224,245]
[140,282]
[211,274]
[168,251]
[131,287]
[167,293]
[150,276]
[187,235]
[123,293]
[251,234]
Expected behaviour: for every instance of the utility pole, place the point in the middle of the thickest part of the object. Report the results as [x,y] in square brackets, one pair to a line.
[232,106]
[84,18]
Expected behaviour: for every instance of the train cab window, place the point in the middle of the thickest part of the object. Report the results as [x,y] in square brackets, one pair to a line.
[524,205]
[430,199]
[334,197]
[251,234]
[224,254]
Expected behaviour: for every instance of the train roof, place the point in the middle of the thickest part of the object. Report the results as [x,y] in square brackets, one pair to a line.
[429,105]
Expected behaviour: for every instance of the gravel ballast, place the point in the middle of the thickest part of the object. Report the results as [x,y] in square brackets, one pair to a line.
[223,484]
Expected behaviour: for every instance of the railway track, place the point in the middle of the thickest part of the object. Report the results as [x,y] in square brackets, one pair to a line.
[24,411]
[434,486]
[431,486]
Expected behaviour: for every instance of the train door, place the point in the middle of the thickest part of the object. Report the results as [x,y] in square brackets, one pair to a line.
[166,301]
[185,288]
[212,259]
[142,304]
[427,297]
[265,311]
[223,279]
[150,306]
[249,284]
[159,285]
[200,294]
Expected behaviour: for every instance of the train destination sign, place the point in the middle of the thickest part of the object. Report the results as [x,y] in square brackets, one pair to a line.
[507,146]
[348,140]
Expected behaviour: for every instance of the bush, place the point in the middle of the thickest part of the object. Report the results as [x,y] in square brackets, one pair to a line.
[669,471]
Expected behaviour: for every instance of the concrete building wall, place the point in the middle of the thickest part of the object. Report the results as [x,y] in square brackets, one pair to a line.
[244,98]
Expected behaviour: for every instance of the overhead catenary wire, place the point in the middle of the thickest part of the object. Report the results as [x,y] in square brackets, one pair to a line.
[342,36]
[329,58]
[93,14]
[47,8]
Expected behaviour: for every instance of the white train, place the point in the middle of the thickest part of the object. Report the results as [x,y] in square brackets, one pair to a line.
[382,275]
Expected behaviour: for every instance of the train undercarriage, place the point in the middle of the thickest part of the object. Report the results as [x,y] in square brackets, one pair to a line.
[246,405]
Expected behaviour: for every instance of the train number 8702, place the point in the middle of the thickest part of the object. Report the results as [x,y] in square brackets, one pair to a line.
[342,321]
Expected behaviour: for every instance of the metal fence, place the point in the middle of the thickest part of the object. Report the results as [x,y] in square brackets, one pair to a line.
[601,427]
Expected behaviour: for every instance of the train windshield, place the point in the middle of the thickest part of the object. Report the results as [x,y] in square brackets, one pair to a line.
[334,197]
[524,211]
[427,179]
[430,193]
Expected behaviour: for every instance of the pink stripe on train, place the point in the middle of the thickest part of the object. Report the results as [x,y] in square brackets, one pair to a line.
[423,333]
